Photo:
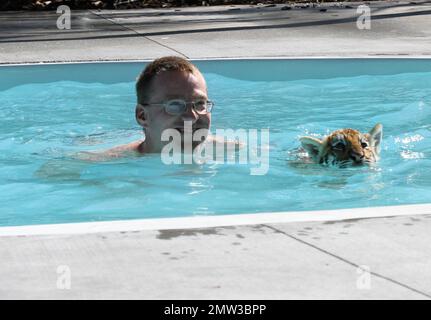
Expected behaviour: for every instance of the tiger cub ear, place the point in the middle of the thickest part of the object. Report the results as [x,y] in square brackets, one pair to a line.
[311,145]
[375,137]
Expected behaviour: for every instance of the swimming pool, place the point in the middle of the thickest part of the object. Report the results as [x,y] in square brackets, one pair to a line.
[50,112]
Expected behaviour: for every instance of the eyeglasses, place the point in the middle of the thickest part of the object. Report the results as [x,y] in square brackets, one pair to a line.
[177,106]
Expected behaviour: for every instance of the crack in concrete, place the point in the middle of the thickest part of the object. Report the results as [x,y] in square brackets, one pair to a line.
[349,262]
[139,34]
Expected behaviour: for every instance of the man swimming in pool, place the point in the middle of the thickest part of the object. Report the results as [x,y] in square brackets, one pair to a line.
[174,110]
[171,94]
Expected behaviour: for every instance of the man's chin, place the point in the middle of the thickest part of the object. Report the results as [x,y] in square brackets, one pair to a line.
[184,131]
[187,135]
[185,141]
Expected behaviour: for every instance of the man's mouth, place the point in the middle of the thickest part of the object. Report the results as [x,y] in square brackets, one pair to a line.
[183,130]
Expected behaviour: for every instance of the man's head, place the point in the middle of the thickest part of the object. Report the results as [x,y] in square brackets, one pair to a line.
[161,88]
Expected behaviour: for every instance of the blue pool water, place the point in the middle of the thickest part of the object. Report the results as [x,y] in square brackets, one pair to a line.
[43,123]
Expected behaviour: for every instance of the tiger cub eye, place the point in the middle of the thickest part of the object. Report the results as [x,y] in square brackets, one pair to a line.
[339,146]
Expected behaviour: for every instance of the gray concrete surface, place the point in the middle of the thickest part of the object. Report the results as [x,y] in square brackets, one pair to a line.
[277,261]
[311,260]
[397,28]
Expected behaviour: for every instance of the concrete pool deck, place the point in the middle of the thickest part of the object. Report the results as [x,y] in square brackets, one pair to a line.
[373,258]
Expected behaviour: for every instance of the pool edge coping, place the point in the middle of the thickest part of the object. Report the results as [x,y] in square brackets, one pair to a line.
[330,57]
[198,222]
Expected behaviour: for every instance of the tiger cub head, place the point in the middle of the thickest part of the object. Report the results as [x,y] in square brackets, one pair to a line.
[345,146]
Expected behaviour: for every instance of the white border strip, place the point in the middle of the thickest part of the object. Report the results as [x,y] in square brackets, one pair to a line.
[333,57]
[215,221]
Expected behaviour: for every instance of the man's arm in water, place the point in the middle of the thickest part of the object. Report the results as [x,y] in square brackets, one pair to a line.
[229,144]
[133,148]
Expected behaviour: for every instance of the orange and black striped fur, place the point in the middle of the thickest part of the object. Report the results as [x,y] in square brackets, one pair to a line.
[345,146]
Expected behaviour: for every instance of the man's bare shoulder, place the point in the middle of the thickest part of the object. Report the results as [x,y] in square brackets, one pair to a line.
[129,149]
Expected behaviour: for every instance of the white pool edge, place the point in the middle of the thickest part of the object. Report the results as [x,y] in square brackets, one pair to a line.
[332,57]
[215,221]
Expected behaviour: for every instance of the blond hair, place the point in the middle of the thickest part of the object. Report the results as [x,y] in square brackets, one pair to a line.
[170,63]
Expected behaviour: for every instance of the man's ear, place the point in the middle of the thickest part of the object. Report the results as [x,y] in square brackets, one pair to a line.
[311,145]
[376,136]
[141,115]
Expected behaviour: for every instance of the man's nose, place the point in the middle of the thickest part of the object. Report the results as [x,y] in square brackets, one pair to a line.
[190,114]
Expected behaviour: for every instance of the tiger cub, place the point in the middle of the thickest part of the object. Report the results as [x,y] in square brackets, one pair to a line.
[345,146]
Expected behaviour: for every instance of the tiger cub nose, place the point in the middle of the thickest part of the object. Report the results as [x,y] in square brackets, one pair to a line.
[357,156]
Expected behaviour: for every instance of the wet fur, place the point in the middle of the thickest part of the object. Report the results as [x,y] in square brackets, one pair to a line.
[345,146]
